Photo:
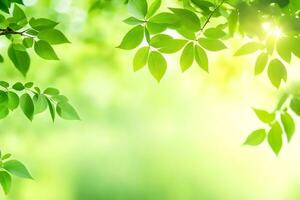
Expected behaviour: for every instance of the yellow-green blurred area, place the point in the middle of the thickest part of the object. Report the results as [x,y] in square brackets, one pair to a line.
[140,140]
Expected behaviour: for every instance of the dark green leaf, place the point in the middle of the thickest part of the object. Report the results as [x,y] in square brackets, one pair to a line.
[53,36]
[19,57]
[42,23]
[188,18]
[18,86]
[51,109]
[295,105]
[27,106]
[40,103]
[51,91]
[44,50]
[28,42]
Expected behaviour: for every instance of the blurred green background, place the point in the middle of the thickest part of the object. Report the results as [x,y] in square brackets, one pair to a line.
[140,140]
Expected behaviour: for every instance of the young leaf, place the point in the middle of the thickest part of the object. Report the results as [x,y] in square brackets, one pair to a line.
[187,57]
[44,50]
[133,38]
[275,138]
[140,59]
[42,24]
[19,57]
[288,125]
[256,137]
[153,8]
[201,58]
[138,8]
[212,44]
[5,181]
[277,72]
[157,65]
[66,111]
[261,63]
[53,36]
[248,48]
[264,116]
[27,106]
[295,106]
[17,168]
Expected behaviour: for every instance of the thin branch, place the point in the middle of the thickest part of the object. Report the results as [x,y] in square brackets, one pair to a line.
[9,31]
[211,14]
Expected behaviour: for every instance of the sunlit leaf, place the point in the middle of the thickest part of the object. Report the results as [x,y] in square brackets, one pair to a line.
[17,168]
[187,57]
[275,138]
[277,72]
[140,59]
[256,137]
[248,48]
[288,125]
[133,38]
[157,65]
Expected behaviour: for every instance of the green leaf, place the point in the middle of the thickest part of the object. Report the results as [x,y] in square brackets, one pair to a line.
[51,109]
[153,8]
[288,125]
[187,57]
[5,181]
[40,103]
[201,58]
[164,20]
[42,24]
[256,137]
[133,38]
[295,105]
[140,59]
[51,91]
[27,106]
[3,112]
[59,98]
[20,58]
[17,168]
[44,50]
[3,98]
[264,116]
[6,156]
[4,84]
[261,62]
[13,100]
[188,18]
[166,44]
[214,33]
[18,86]
[133,21]
[138,8]
[157,65]
[18,15]
[66,111]
[275,138]
[175,46]
[28,42]
[284,49]
[248,48]
[53,36]
[232,22]
[212,44]
[277,72]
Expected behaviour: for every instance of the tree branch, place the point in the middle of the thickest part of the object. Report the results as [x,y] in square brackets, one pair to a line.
[211,14]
